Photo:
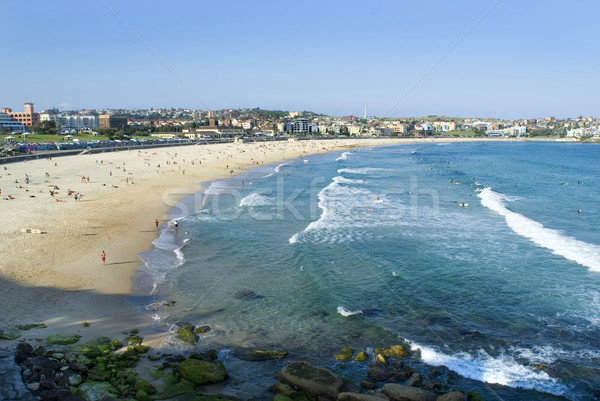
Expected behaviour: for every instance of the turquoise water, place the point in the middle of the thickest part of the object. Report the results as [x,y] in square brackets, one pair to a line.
[483,257]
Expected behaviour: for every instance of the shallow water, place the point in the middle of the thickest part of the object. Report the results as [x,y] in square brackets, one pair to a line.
[483,256]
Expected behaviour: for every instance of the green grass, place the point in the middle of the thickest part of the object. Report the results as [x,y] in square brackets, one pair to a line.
[56,138]
[462,133]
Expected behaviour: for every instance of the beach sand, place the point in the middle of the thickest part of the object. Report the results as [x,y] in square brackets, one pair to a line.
[57,277]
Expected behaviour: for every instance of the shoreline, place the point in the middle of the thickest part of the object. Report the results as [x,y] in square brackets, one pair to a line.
[57,278]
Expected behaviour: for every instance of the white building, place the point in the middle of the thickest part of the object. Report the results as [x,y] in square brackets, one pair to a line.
[301,126]
[444,126]
[72,122]
[518,131]
[354,129]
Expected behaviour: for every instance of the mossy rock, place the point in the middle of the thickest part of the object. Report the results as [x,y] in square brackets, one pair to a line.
[202,372]
[99,373]
[312,380]
[93,390]
[361,357]
[393,351]
[141,395]
[31,326]
[473,396]
[202,329]
[59,339]
[9,333]
[186,335]
[134,339]
[344,355]
[281,397]
[141,349]
[247,354]
[142,384]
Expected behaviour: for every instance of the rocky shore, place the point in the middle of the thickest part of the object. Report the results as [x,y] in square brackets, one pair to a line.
[63,369]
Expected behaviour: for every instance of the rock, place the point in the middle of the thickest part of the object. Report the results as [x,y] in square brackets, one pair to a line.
[281,397]
[202,372]
[35,386]
[539,366]
[59,339]
[30,326]
[398,392]
[51,394]
[372,312]
[9,333]
[282,388]
[99,373]
[393,351]
[142,384]
[453,396]
[85,360]
[74,379]
[141,395]
[415,380]
[344,355]
[313,380]
[428,385]
[316,313]
[369,385]
[202,329]
[473,396]
[380,359]
[72,397]
[92,390]
[247,295]
[358,397]
[248,354]
[40,365]
[23,351]
[186,335]
[361,357]
[378,373]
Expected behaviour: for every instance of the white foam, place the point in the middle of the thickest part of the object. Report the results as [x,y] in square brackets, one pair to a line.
[344,312]
[344,156]
[501,369]
[340,206]
[343,180]
[278,168]
[256,199]
[568,247]
[347,211]
[364,170]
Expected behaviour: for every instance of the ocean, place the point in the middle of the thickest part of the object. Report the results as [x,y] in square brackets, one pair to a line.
[483,257]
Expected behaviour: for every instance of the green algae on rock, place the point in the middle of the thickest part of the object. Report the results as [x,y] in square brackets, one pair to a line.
[202,372]
[393,351]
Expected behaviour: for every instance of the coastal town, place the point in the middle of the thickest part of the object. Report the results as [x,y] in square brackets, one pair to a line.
[17,126]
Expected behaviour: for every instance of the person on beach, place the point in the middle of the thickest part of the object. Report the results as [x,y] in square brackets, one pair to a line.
[156,223]
[103,256]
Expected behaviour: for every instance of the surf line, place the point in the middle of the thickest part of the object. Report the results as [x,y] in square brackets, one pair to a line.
[585,254]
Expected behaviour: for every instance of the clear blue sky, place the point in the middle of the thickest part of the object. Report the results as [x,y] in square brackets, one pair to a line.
[526,58]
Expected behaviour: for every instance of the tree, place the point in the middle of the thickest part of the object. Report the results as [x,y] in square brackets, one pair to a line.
[110,132]
[47,127]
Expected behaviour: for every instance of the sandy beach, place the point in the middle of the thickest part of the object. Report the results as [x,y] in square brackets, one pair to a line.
[57,277]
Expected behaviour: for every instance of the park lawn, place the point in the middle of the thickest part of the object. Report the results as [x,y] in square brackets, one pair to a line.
[37,138]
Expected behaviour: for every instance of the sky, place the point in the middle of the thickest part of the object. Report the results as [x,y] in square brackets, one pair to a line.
[466,58]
